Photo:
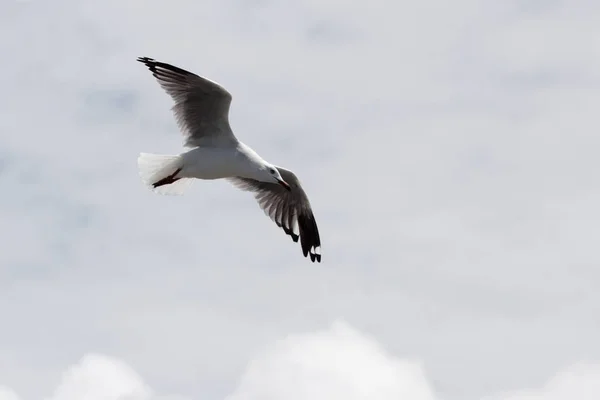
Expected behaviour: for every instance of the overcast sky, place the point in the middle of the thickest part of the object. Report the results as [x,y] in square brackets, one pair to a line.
[450,152]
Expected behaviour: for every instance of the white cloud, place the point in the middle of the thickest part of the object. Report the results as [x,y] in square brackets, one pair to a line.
[335,364]
[7,394]
[97,377]
[577,382]
[341,363]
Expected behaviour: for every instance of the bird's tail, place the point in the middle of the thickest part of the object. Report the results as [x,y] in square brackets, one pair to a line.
[159,173]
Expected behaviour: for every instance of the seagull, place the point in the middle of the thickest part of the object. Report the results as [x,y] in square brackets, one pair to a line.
[201,111]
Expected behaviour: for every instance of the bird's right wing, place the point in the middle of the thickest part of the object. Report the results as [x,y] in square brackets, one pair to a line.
[201,106]
[287,209]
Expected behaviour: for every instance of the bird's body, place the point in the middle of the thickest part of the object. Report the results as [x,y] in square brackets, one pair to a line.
[201,110]
[220,162]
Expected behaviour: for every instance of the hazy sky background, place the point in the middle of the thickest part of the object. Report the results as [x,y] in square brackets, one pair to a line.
[449,149]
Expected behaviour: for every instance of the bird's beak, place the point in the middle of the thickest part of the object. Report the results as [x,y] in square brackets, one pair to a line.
[284,184]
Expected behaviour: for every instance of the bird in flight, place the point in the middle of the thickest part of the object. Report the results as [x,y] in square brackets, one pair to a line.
[201,111]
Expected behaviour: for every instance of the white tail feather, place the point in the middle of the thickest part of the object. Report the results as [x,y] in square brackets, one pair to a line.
[154,167]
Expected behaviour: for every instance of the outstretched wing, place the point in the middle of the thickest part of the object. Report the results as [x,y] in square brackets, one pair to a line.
[288,209]
[201,106]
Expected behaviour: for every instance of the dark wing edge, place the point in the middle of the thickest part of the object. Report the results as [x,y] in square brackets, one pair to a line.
[151,63]
[287,210]
[164,71]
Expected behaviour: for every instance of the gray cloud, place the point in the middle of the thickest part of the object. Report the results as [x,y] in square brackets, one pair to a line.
[461,138]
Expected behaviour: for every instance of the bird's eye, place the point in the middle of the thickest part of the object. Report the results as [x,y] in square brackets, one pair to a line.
[272,170]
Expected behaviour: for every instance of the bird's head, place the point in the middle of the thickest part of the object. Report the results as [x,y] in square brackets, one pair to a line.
[272,174]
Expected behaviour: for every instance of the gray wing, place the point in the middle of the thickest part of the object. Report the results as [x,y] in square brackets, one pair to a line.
[201,106]
[288,209]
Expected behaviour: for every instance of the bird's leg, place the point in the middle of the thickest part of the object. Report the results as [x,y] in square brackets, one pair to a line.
[168,180]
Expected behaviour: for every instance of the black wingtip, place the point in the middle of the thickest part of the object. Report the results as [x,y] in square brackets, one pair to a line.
[309,236]
[145,60]
[148,62]
[315,257]
[289,232]
[156,67]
